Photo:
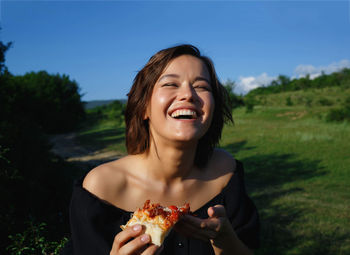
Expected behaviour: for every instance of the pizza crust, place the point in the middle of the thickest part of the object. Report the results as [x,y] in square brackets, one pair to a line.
[157,233]
[157,220]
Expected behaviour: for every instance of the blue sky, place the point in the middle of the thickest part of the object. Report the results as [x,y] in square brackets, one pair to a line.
[102,44]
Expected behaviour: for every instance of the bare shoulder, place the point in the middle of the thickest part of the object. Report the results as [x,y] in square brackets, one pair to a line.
[223,161]
[107,180]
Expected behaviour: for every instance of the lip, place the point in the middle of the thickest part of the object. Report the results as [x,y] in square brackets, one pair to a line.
[199,113]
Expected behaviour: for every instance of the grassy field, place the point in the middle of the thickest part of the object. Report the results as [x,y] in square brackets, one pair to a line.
[297,170]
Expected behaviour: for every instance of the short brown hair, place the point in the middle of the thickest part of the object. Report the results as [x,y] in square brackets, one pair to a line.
[137,130]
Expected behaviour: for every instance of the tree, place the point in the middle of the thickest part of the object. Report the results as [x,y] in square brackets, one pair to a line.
[3,49]
[235,100]
[51,100]
[283,81]
[34,184]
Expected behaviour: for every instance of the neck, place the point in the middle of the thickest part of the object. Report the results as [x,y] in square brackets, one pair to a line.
[169,163]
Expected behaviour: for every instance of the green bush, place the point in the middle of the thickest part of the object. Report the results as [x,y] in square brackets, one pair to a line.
[336,115]
[113,111]
[289,101]
[34,182]
[249,103]
[325,102]
[308,101]
[33,241]
[340,114]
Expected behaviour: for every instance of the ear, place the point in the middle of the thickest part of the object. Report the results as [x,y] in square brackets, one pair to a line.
[146,115]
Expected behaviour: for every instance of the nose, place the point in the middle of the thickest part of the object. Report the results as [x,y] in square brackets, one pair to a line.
[187,93]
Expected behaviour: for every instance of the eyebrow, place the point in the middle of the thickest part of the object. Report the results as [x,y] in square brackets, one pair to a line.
[169,75]
[199,78]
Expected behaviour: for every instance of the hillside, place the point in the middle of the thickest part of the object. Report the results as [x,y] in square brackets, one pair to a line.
[296,169]
[284,83]
[297,173]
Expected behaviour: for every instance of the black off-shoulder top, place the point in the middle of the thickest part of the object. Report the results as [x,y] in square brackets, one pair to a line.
[94,223]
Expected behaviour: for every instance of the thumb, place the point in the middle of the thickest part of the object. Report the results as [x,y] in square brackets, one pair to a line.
[217,211]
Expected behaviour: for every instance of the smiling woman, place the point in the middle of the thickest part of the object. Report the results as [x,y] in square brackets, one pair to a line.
[159,71]
[174,117]
[183,90]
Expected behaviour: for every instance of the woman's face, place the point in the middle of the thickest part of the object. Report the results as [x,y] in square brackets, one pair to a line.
[181,107]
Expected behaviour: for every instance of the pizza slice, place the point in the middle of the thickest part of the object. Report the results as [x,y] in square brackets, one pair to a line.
[158,220]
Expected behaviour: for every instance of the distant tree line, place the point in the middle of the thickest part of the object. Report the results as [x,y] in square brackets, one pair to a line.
[96,103]
[113,111]
[35,185]
[283,83]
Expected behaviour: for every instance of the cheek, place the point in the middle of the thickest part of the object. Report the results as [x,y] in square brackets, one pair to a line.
[211,108]
[210,105]
[162,99]
[159,102]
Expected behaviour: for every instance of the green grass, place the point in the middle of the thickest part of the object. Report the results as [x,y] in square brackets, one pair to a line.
[296,165]
[104,135]
[313,97]
[297,172]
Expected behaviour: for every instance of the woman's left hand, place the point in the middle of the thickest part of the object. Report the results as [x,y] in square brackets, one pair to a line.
[216,228]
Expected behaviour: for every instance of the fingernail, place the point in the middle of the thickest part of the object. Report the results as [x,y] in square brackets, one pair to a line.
[145,238]
[136,228]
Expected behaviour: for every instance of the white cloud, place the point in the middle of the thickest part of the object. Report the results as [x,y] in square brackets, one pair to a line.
[303,70]
[245,84]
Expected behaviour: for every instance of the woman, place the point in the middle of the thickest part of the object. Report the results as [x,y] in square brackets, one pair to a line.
[174,117]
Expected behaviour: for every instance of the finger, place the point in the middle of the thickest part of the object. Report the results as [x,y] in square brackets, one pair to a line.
[189,219]
[217,211]
[193,231]
[160,249]
[138,244]
[152,249]
[125,235]
[210,223]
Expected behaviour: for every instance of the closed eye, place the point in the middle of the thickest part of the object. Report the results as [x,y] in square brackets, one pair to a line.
[169,85]
[202,88]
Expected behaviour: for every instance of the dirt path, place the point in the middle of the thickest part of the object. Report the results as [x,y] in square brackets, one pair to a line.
[67,147]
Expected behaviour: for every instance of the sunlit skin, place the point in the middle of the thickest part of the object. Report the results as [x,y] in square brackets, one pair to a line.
[166,173]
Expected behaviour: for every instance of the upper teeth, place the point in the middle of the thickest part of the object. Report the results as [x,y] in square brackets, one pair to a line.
[184,112]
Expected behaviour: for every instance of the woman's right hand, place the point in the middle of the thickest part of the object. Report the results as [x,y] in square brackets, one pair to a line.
[141,244]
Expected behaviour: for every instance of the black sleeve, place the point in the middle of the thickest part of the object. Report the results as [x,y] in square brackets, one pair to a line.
[242,211]
[94,224]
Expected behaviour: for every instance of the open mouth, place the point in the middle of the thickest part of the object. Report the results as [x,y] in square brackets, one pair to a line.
[184,114]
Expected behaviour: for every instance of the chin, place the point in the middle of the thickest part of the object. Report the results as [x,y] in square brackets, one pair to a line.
[188,137]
